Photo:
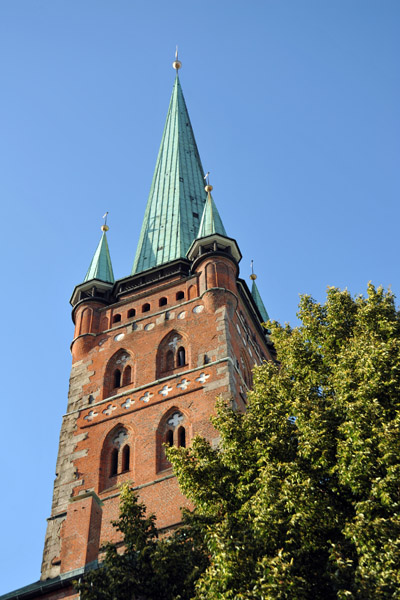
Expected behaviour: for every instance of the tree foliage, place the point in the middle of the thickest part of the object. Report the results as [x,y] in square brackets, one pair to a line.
[146,567]
[302,496]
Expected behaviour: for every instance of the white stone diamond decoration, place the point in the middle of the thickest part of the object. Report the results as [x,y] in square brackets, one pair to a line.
[183,385]
[120,438]
[128,403]
[91,415]
[110,408]
[146,397]
[165,391]
[175,419]
[202,378]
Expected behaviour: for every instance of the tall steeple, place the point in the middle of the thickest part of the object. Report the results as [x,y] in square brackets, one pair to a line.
[176,200]
[257,298]
[100,266]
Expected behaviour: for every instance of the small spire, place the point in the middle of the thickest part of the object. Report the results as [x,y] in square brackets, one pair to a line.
[100,266]
[210,221]
[177,63]
[257,297]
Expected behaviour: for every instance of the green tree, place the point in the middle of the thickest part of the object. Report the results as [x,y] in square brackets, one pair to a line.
[145,566]
[302,495]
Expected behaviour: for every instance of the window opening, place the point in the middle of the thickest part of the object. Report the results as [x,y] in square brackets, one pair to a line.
[162,302]
[117,378]
[181,357]
[131,313]
[116,318]
[126,453]
[127,375]
[180,295]
[146,307]
[114,462]
[182,437]
[169,438]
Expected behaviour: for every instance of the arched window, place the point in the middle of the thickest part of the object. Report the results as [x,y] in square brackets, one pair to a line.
[163,301]
[180,295]
[131,313]
[181,437]
[126,378]
[116,318]
[170,432]
[181,361]
[126,452]
[169,361]
[117,378]
[117,373]
[114,463]
[146,307]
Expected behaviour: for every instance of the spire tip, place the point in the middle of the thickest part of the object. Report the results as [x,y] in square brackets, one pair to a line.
[177,63]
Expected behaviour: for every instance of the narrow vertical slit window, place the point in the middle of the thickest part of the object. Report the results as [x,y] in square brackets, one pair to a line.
[169,438]
[126,455]
[181,357]
[114,462]
[181,437]
[117,378]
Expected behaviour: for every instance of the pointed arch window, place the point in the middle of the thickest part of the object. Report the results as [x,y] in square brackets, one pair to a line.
[172,353]
[170,432]
[119,372]
[116,457]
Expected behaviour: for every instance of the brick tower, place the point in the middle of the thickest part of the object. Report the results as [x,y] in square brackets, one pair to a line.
[150,354]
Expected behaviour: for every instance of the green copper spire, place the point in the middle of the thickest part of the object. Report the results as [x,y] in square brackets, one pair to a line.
[101,267]
[258,300]
[177,195]
[210,221]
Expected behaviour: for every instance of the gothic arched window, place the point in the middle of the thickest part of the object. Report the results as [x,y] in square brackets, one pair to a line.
[171,432]
[172,354]
[119,372]
[115,457]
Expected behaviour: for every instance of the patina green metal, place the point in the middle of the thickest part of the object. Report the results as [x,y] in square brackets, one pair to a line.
[177,196]
[101,267]
[258,300]
[210,221]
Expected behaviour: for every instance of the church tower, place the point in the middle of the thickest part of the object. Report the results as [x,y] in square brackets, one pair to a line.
[150,354]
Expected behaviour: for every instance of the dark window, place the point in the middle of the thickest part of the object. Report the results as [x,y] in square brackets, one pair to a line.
[180,295]
[196,216]
[169,438]
[146,307]
[162,302]
[91,399]
[114,462]
[116,318]
[126,379]
[126,453]
[131,313]
[182,437]
[169,363]
[117,378]
[181,357]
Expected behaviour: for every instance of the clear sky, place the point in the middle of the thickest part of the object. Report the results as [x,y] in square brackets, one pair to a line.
[295,108]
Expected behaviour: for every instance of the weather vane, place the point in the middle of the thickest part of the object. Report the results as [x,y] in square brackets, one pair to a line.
[253,276]
[208,186]
[177,63]
[105,227]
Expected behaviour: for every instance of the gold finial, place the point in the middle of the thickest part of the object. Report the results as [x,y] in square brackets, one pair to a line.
[253,276]
[208,187]
[105,226]
[177,63]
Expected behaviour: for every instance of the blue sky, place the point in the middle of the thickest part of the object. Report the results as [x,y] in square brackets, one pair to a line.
[294,104]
